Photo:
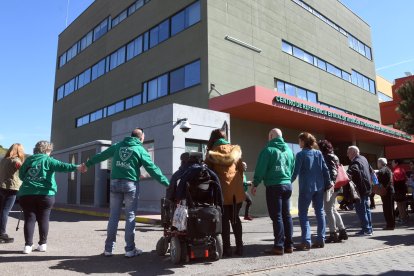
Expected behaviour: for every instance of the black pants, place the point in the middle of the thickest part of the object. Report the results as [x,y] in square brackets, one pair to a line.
[36,208]
[249,202]
[372,200]
[231,216]
[388,209]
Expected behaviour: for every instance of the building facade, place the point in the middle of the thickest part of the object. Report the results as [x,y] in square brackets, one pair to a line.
[258,61]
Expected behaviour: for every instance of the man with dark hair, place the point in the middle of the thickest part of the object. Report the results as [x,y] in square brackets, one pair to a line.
[127,158]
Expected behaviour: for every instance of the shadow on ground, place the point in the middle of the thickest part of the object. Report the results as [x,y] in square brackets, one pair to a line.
[389,273]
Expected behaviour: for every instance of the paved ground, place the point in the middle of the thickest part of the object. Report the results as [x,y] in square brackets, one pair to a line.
[76,241]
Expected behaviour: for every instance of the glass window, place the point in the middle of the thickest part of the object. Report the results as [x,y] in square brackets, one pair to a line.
[119,106]
[354,77]
[132,8]
[117,58]
[115,21]
[146,41]
[164,31]
[290,90]
[69,87]
[134,48]
[361,48]
[177,80]
[163,85]
[96,115]
[123,15]
[62,60]
[100,30]
[60,92]
[84,78]
[98,69]
[301,94]
[346,76]
[365,83]
[192,74]
[133,101]
[177,23]
[334,70]
[308,58]
[86,41]
[299,53]
[360,80]
[321,64]
[154,37]
[368,52]
[111,110]
[287,48]
[144,92]
[372,86]
[280,87]
[72,52]
[192,14]
[312,97]
[152,89]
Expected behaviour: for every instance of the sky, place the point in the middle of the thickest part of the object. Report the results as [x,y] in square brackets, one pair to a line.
[28,45]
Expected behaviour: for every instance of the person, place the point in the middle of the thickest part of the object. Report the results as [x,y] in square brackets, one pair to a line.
[334,219]
[175,178]
[384,175]
[127,158]
[360,174]
[226,161]
[275,167]
[410,180]
[9,185]
[372,205]
[401,189]
[37,193]
[314,180]
[249,199]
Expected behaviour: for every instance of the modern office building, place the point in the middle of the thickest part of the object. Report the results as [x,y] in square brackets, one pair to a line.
[384,89]
[297,65]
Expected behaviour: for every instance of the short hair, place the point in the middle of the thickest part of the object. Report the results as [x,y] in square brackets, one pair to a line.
[275,133]
[43,147]
[137,133]
[309,141]
[354,148]
[397,161]
[325,146]
[383,161]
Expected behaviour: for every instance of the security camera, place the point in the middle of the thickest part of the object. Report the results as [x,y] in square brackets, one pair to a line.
[185,125]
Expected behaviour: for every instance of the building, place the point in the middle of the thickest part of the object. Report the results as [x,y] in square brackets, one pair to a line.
[298,65]
[384,89]
[389,116]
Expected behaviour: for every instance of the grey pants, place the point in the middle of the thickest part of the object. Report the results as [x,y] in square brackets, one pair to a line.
[333,218]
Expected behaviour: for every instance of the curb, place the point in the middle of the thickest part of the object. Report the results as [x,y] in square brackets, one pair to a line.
[138,219]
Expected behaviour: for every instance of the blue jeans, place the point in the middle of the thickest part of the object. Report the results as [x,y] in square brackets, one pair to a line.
[278,206]
[305,200]
[7,198]
[364,213]
[126,191]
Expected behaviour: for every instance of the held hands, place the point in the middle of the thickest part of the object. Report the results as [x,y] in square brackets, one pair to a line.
[82,168]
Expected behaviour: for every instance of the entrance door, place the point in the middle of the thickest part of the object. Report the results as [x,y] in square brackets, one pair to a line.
[87,190]
[73,181]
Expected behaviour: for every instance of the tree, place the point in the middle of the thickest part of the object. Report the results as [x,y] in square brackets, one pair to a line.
[406,107]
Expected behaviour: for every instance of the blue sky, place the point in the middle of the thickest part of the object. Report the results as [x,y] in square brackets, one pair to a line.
[29,35]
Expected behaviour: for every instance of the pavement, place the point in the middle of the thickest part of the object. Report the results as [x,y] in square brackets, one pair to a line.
[76,242]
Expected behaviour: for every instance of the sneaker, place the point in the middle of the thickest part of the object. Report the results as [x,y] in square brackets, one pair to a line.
[368,233]
[133,253]
[42,248]
[4,238]
[360,233]
[108,254]
[248,218]
[27,249]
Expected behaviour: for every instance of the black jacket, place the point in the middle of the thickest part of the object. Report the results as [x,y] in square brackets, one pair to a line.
[385,178]
[360,173]
[332,161]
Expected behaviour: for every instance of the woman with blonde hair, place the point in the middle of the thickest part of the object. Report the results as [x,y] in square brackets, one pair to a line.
[9,185]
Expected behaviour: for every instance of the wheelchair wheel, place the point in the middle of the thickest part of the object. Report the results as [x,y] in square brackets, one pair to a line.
[162,246]
[175,250]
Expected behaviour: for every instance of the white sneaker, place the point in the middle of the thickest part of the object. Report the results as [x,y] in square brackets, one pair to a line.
[133,253]
[108,254]
[42,248]
[27,249]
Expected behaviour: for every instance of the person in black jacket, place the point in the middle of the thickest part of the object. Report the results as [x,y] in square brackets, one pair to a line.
[333,217]
[360,174]
[384,175]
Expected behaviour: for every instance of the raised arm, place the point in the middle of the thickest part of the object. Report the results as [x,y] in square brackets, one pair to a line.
[153,169]
[106,154]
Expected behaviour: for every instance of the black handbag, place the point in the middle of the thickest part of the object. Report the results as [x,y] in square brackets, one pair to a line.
[354,194]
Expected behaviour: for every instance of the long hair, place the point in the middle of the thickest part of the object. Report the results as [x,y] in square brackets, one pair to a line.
[215,135]
[16,150]
[309,141]
[325,146]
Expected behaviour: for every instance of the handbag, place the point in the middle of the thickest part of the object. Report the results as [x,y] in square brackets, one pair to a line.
[354,194]
[341,178]
[379,190]
[180,217]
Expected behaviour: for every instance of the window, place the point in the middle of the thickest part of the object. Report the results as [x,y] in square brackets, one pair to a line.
[98,69]
[62,60]
[365,83]
[115,108]
[86,41]
[96,115]
[177,80]
[287,48]
[84,78]
[290,90]
[196,146]
[154,37]
[134,48]
[149,146]
[178,23]
[372,86]
[69,87]
[152,89]
[308,58]
[164,31]
[368,52]
[192,74]
[162,86]
[361,48]
[60,92]
[72,52]
[312,97]
[280,87]
[100,30]
[334,70]
[117,58]
[299,53]
[354,77]
[301,94]
[82,121]
[133,101]
[321,64]
[146,41]
[346,76]
[383,98]
[119,18]
[192,14]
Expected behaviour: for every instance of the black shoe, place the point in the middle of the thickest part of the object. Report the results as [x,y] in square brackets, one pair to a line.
[4,238]
[343,236]
[239,251]
[227,252]
[302,247]
[333,238]
[318,245]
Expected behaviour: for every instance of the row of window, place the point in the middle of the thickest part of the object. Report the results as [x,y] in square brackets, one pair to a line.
[98,32]
[355,77]
[151,38]
[168,83]
[354,43]
[307,95]
[383,97]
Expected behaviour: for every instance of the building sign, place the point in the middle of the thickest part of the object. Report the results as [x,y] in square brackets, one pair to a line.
[341,117]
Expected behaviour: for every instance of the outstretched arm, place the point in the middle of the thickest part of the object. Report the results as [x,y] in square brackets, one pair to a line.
[153,169]
[106,154]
